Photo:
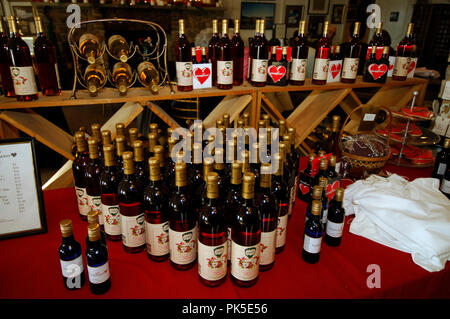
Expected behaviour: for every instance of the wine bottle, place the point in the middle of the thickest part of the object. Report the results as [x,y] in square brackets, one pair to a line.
[109,182]
[21,65]
[182,223]
[296,159]
[251,42]
[306,182]
[246,238]
[259,54]
[159,154]
[89,47]
[323,166]
[332,143]
[70,258]
[323,183]
[120,149]
[224,61]
[237,55]
[352,52]
[93,173]
[266,204]
[299,57]
[119,48]
[255,164]
[93,218]
[376,70]
[322,58]
[212,241]
[156,214]
[208,166]
[378,41]
[122,76]
[149,76]
[120,130]
[313,235]
[97,262]
[281,191]
[334,178]
[96,133]
[445,184]
[169,176]
[133,133]
[47,66]
[336,216]
[442,161]
[219,168]
[403,55]
[281,129]
[132,217]
[106,137]
[183,61]
[213,50]
[79,167]
[95,78]
[140,169]
[5,61]
[152,142]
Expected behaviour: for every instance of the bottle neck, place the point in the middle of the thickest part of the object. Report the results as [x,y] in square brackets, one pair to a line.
[95,243]
[212,201]
[68,239]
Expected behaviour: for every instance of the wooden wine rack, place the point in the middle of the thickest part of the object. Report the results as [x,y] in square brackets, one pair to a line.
[321,100]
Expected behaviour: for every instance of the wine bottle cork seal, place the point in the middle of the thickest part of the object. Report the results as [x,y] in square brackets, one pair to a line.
[80,140]
[332,160]
[106,137]
[215,25]
[94,232]
[255,153]
[120,144]
[180,174]
[323,163]
[282,150]
[212,187]
[93,147]
[208,164]
[266,176]
[236,173]
[92,217]
[317,192]
[316,207]
[245,161]
[218,159]
[226,116]
[66,227]
[12,24]
[128,164]
[154,168]
[133,132]
[236,26]
[323,182]
[278,158]
[179,157]
[447,143]
[302,27]
[248,188]
[311,157]
[138,147]
[153,127]
[224,26]
[339,194]
[108,154]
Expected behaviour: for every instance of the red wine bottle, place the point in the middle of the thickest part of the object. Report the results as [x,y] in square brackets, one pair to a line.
[322,59]
[351,53]
[281,191]
[93,173]
[299,45]
[120,149]
[21,66]
[213,50]
[312,239]
[47,66]
[97,262]
[183,61]
[246,238]
[109,182]
[140,171]
[306,182]
[212,241]
[260,55]
[336,216]
[5,62]
[79,166]
[156,214]
[403,55]
[182,223]
[379,41]
[224,60]
[251,42]
[237,55]
[132,215]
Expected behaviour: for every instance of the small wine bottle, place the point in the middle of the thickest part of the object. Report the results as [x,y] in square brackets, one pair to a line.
[322,59]
[336,216]
[299,56]
[246,238]
[323,166]
[281,191]
[95,78]
[212,241]
[442,161]
[122,76]
[149,76]
[93,173]
[266,204]
[140,169]
[132,217]
[120,149]
[313,235]
[89,47]
[93,218]
[96,133]
[79,167]
[182,224]
[403,55]
[306,182]
[119,48]
[109,182]
[237,55]
[351,53]
[323,183]
[316,196]
[183,61]
[97,262]
[156,214]
[5,72]
[224,60]
[71,258]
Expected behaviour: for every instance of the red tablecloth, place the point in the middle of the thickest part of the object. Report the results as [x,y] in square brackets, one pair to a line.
[30,267]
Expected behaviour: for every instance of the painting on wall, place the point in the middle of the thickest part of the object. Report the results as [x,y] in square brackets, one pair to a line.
[318,6]
[251,11]
[293,16]
[337,14]
[393,17]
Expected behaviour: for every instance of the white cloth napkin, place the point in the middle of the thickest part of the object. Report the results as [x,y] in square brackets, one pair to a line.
[413,217]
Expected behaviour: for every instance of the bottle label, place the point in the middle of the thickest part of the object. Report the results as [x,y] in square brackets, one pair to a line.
[324,216]
[82,199]
[412,68]
[225,72]
[99,274]
[72,268]
[133,230]
[95,204]
[312,245]
[245,261]
[212,261]
[183,246]
[24,80]
[157,238]
[259,70]
[321,69]
[282,230]
[445,188]
[57,76]
[334,229]
[111,217]
[350,68]
[391,65]
[401,66]
[442,168]
[229,243]
[184,73]
[267,246]
[298,70]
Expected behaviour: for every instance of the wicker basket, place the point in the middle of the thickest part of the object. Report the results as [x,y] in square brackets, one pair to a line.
[363,165]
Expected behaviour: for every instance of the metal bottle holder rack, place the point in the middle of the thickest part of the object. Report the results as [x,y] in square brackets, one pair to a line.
[159,50]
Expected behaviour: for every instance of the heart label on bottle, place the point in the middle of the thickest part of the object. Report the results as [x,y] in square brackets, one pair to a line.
[331,189]
[377,70]
[412,68]
[202,75]
[276,73]
[304,189]
[391,66]
[334,71]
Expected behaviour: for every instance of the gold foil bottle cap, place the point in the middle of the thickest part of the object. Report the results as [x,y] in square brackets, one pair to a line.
[171,141]
[108,153]
[245,161]
[282,149]
[215,26]
[379,27]
[208,165]
[279,160]
[94,232]
[237,26]
[321,153]
[120,144]
[266,119]
[255,153]
[218,159]
[332,160]
[240,124]
[80,140]
[152,141]
[181,26]
[224,26]
[128,164]
[257,27]
[138,147]
[236,173]
[339,194]
[93,147]
[106,137]
[323,182]
[155,171]
[248,188]
[66,227]
[159,154]
[266,175]
[385,50]
[410,28]
[311,157]
[356,28]
[287,141]
[180,174]
[169,132]
[219,123]
[226,119]
[262,26]
[133,132]
[317,192]
[374,49]
[292,132]
[179,158]
[447,143]
[323,163]
[261,124]
[246,118]
[301,27]
[153,128]
[95,128]
[316,207]
[282,127]
[325,29]
[92,217]
[212,187]
[120,129]
[12,24]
